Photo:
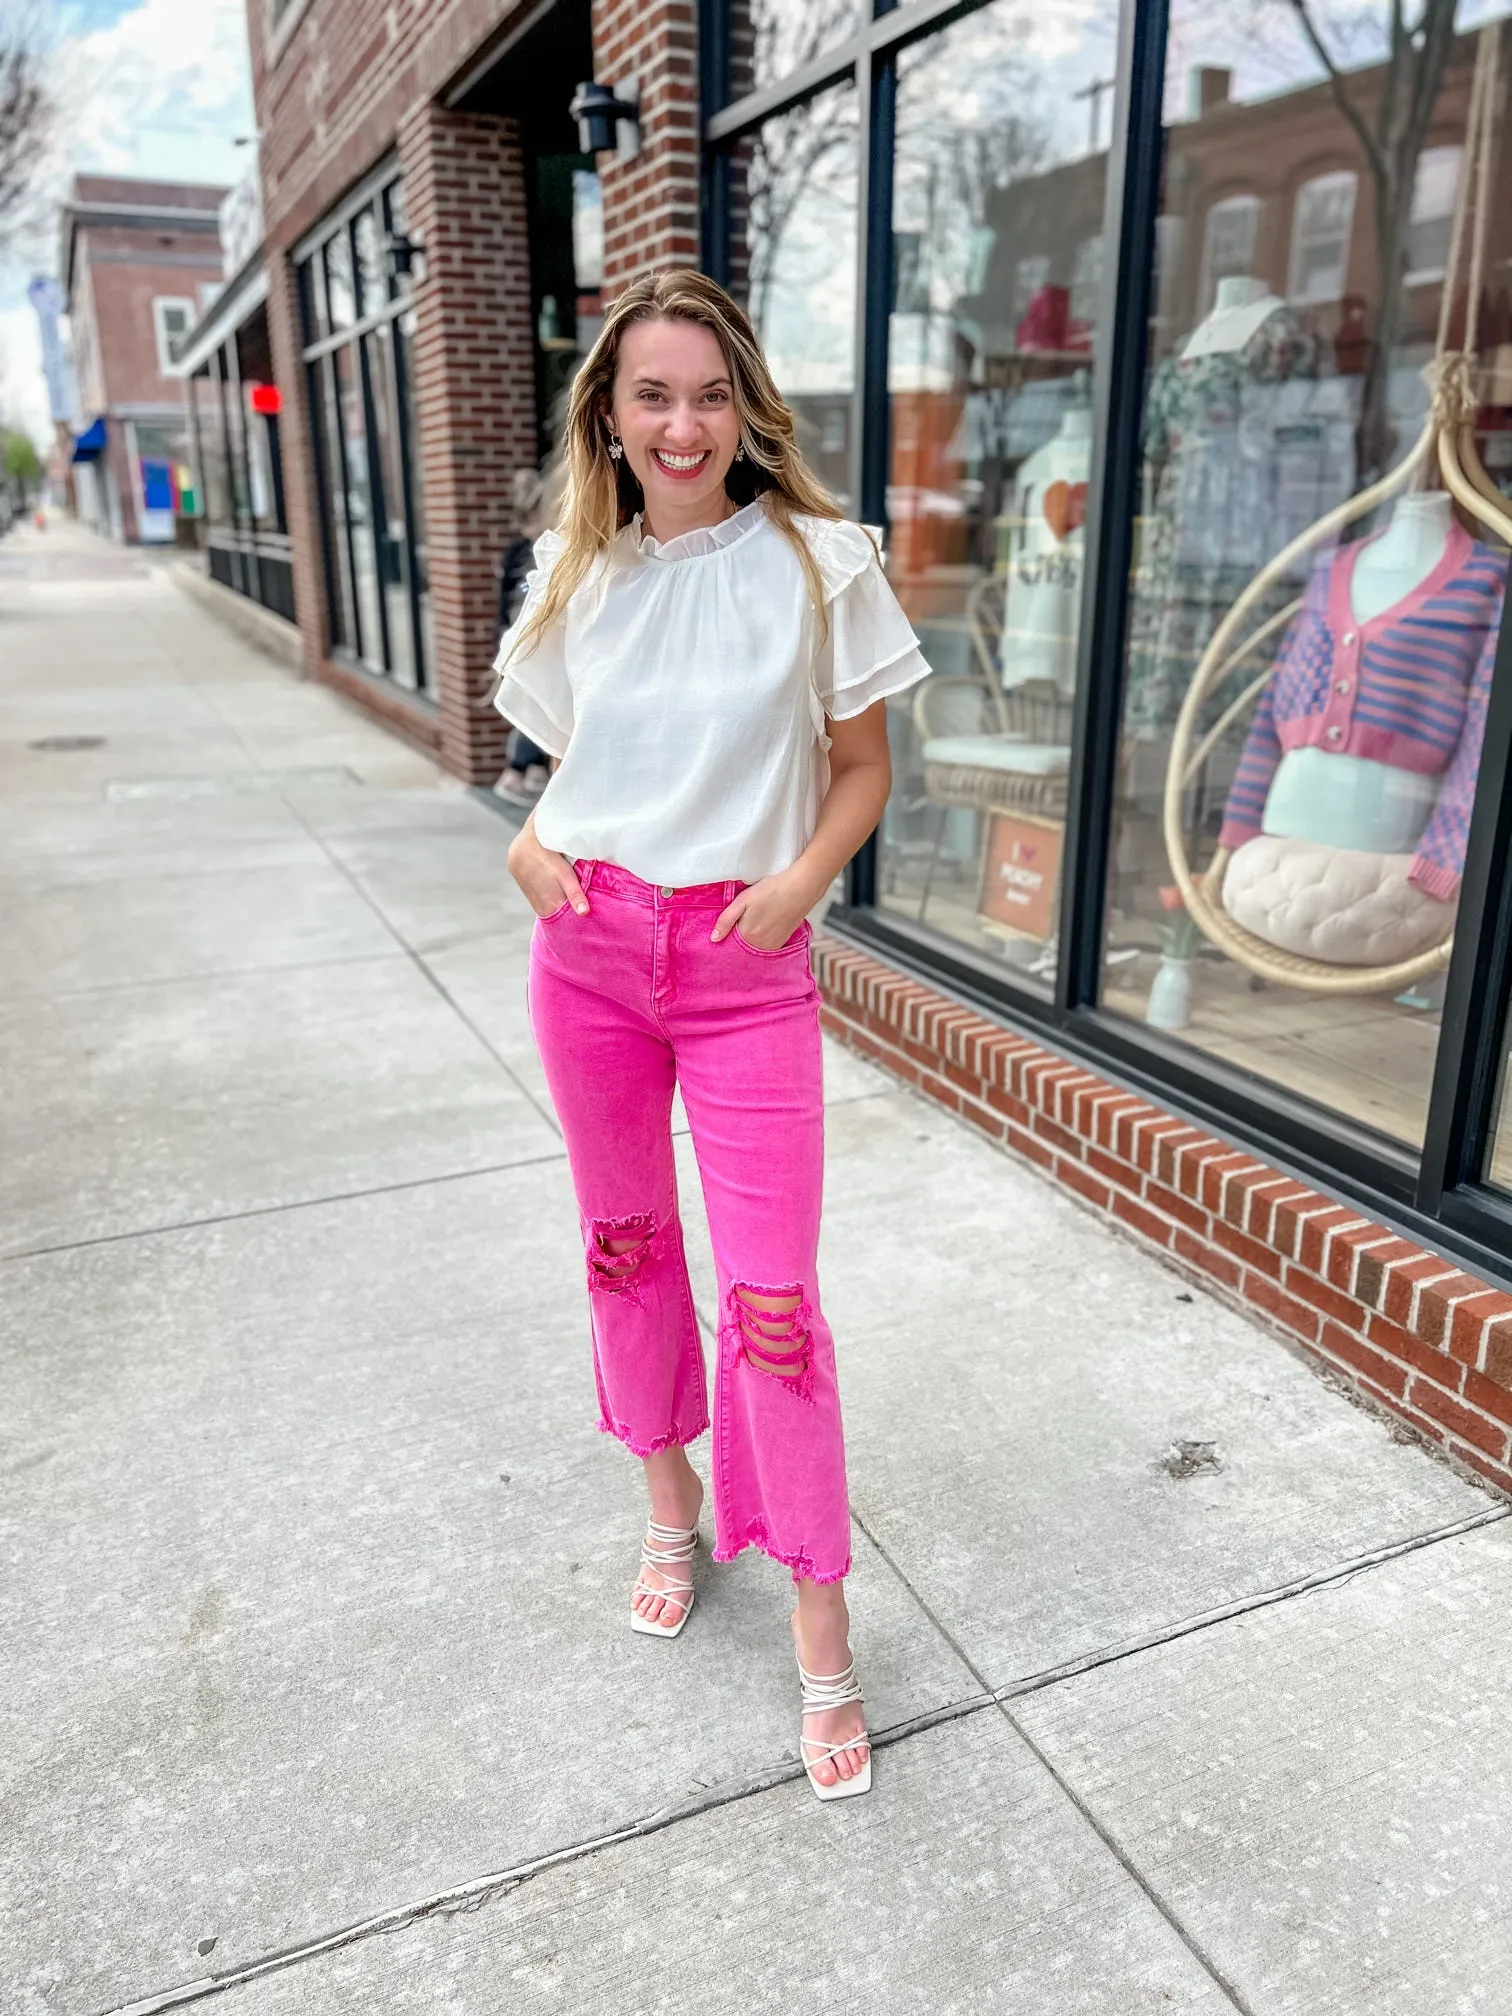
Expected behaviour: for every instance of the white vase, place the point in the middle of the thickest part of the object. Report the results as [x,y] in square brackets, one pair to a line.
[1170,1002]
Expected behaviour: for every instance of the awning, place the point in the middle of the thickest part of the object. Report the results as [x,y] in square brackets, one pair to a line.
[91,442]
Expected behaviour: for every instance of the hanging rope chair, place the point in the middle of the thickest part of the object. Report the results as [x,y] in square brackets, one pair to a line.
[1447,440]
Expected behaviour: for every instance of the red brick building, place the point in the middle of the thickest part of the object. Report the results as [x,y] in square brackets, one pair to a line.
[436,245]
[140,260]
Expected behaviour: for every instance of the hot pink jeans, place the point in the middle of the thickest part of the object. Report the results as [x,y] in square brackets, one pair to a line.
[625,1003]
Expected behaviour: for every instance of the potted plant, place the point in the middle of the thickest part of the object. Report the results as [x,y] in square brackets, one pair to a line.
[1170,1002]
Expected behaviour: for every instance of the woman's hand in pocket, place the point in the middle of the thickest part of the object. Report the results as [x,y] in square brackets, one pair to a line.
[549,880]
[768,912]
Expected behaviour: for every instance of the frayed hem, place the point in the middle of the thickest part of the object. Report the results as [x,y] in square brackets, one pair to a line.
[799,1564]
[675,1438]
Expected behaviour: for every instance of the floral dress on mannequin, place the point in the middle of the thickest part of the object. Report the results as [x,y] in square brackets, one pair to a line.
[1212,460]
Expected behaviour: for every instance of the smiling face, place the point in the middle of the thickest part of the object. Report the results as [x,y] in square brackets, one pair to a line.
[673,407]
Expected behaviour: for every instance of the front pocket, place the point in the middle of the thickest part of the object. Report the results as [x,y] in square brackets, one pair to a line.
[797,943]
[551,916]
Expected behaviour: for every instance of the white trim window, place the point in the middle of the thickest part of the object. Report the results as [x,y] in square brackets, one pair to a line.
[1086,279]
[173,316]
[1322,225]
[1430,223]
[1228,246]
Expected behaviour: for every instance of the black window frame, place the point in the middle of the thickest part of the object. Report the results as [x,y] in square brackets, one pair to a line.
[374,194]
[1439,1195]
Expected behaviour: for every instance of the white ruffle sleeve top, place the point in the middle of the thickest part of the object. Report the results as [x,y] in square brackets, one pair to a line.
[686,687]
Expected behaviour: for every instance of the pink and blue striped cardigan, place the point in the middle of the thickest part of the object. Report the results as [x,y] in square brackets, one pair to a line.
[1409,688]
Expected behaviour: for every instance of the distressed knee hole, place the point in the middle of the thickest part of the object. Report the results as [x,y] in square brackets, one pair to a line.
[772,1327]
[617,1251]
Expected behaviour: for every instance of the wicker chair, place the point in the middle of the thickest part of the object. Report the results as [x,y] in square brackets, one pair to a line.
[987,748]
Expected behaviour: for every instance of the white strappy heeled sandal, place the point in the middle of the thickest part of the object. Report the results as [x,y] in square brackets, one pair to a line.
[674,1546]
[834,1690]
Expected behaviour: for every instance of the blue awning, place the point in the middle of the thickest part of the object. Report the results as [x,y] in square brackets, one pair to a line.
[91,442]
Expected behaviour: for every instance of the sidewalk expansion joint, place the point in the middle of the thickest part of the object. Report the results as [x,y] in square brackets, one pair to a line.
[276,1210]
[478,1891]
[423,967]
[1108,1655]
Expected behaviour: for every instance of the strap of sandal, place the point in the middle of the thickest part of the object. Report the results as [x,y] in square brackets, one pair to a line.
[675,1544]
[860,1741]
[829,1690]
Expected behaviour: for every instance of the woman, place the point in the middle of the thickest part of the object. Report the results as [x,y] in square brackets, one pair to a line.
[705,646]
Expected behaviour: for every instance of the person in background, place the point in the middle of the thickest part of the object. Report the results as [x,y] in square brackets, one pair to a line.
[525,773]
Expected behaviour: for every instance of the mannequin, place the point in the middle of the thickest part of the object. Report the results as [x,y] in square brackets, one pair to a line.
[1241,305]
[1342,800]
[1045,565]
[1391,565]
[1348,817]
[1212,489]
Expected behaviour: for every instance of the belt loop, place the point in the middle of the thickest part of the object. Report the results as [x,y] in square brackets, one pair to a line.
[585,873]
[731,891]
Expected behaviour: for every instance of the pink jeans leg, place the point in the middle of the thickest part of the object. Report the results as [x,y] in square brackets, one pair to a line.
[610,1075]
[623,1001]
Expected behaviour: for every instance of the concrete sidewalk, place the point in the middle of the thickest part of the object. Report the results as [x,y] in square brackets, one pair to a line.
[316,1568]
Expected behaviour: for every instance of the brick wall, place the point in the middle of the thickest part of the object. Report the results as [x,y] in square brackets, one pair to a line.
[1407,1330]
[651,203]
[474,370]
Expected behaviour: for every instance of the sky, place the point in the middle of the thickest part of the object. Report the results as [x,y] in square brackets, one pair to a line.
[159,88]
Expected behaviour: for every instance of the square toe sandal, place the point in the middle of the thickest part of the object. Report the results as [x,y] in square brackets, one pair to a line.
[834,1690]
[674,1545]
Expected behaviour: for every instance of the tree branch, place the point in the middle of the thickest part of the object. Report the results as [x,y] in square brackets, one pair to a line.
[1342,99]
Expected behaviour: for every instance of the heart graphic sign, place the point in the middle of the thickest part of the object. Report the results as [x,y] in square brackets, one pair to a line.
[1065,507]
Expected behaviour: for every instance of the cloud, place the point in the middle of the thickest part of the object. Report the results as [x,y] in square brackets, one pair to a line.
[162,90]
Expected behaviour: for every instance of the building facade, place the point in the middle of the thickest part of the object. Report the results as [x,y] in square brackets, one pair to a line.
[233,413]
[140,260]
[1126,322]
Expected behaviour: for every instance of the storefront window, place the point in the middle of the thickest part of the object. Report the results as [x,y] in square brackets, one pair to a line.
[333,501]
[772,38]
[998,257]
[368,461]
[1303,710]
[393,546]
[794,192]
[360,514]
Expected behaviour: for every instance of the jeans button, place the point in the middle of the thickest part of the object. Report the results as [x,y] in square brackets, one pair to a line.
[669,892]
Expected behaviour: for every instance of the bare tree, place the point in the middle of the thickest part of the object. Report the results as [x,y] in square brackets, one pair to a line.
[1391,126]
[27,109]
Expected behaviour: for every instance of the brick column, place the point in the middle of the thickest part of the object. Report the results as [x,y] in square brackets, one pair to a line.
[651,204]
[296,440]
[474,368]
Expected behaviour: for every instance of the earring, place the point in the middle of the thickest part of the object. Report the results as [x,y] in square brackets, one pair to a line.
[615,449]
[740,453]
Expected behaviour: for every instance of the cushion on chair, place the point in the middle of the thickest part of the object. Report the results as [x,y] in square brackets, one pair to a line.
[999,752]
[1341,905]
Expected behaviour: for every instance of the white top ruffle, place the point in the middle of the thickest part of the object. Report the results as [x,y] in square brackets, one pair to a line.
[686,690]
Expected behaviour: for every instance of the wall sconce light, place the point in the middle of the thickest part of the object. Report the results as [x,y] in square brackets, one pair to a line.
[608,118]
[402,253]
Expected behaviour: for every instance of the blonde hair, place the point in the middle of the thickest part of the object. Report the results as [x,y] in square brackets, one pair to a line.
[602,494]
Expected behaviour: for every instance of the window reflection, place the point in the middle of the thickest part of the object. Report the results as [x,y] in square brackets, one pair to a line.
[793,202]
[769,39]
[1303,712]
[998,256]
